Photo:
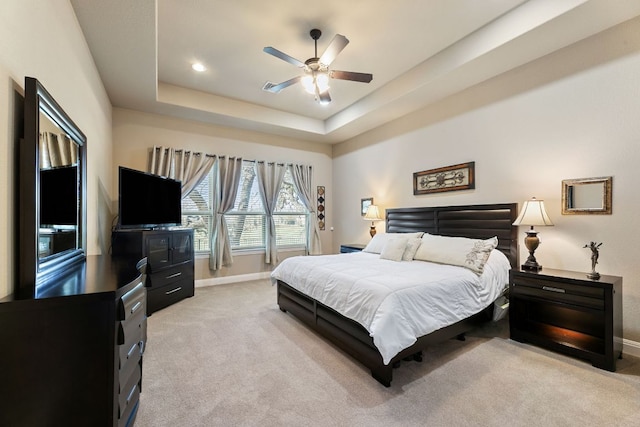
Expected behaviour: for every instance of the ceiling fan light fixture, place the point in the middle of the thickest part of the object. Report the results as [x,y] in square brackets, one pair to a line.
[322,81]
[308,84]
[315,79]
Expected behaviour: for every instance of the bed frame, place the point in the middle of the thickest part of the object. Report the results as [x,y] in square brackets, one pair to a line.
[475,221]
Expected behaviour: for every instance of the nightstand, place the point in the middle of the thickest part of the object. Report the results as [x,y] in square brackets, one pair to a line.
[351,247]
[569,313]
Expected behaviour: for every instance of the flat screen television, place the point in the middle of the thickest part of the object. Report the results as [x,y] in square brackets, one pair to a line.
[148,201]
[59,189]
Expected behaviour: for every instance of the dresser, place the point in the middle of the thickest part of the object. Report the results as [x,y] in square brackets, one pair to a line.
[170,262]
[569,313]
[73,355]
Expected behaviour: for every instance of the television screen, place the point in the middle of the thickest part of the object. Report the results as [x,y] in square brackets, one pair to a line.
[59,196]
[147,200]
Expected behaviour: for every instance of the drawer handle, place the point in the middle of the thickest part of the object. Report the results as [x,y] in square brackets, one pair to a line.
[136,306]
[131,393]
[179,273]
[552,289]
[131,350]
[173,290]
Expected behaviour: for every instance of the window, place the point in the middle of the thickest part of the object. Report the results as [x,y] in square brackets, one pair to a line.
[290,215]
[247,220]
[197,212]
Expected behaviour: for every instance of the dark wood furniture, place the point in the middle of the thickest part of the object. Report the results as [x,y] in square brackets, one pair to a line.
[73,355]
[567,312]
[170,262]
[351,247]
[477,221]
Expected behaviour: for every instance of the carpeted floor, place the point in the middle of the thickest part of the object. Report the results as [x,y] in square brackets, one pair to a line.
[230,357]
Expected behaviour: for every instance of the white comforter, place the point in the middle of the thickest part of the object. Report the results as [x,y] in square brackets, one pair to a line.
[397,302]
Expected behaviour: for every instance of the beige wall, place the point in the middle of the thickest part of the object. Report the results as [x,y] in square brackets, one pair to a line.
[134,133]
[42,39]
[572,114]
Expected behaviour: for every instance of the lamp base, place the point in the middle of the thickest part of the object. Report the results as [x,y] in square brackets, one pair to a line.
[372,231]
[531,266]
[531,242]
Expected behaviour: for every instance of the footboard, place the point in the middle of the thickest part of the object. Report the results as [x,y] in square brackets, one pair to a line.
[354,339]
[350,336]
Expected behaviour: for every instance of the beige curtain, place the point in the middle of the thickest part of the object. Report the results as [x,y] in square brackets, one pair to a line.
[270,177]
[57,150]
[302,179]
[188,167]
[227,177]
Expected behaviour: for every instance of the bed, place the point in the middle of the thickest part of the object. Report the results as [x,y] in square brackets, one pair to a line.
[344,326]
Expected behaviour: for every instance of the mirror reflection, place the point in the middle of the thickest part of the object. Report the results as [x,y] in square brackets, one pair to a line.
[586,196]
[59,190]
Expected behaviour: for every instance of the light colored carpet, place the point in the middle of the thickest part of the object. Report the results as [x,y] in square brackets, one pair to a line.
[230,357]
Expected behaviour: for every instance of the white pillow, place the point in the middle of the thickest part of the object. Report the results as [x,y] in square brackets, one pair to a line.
[410,249]
[376,244]
[462,251]
[394,249]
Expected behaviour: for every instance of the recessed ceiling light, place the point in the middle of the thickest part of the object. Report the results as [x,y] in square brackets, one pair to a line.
[199,67]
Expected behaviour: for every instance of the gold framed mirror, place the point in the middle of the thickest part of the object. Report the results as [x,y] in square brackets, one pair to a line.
[587,196]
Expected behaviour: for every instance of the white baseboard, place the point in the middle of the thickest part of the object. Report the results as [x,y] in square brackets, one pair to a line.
[632,348]
[231,279]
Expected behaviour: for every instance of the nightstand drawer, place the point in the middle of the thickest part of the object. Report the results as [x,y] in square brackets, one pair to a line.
[585,296]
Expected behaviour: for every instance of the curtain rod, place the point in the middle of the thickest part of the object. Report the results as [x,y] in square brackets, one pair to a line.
[180,150]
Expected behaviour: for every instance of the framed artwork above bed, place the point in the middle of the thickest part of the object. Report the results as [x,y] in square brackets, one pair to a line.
[448,178]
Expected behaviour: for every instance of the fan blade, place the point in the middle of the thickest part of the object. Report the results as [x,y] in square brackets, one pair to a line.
[335,47]
[278,54]
[350,75]
[275,88]
[324,97]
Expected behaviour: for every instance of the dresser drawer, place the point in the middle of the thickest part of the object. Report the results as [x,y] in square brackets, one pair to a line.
[130,352]
[161,297]
[169,275]
[574,294]
[128,370]
[129,393]
[132,302]
[132,330]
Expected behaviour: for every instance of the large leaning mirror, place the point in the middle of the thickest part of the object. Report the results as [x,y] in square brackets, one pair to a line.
[51,193]
[587,196]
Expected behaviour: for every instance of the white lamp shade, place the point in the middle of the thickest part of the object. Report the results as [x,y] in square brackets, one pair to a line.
[533,213]
[372,214]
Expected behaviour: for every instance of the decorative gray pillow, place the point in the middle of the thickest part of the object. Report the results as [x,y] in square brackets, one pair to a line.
[461,251]
[411,248]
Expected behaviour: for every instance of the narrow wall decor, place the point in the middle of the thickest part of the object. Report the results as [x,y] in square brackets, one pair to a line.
[320,208]
[364,205]
[448,178]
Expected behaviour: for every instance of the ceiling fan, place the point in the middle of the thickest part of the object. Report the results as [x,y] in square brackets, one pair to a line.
[316,70]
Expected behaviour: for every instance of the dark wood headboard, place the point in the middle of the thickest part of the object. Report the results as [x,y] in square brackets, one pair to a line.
[474,221]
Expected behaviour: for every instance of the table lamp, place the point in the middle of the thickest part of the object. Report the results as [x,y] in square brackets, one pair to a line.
[373,215]
[532,213]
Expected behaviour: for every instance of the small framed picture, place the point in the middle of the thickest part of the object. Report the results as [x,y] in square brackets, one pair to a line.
[364,205]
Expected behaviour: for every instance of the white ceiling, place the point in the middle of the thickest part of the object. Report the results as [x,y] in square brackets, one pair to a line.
[419,51]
